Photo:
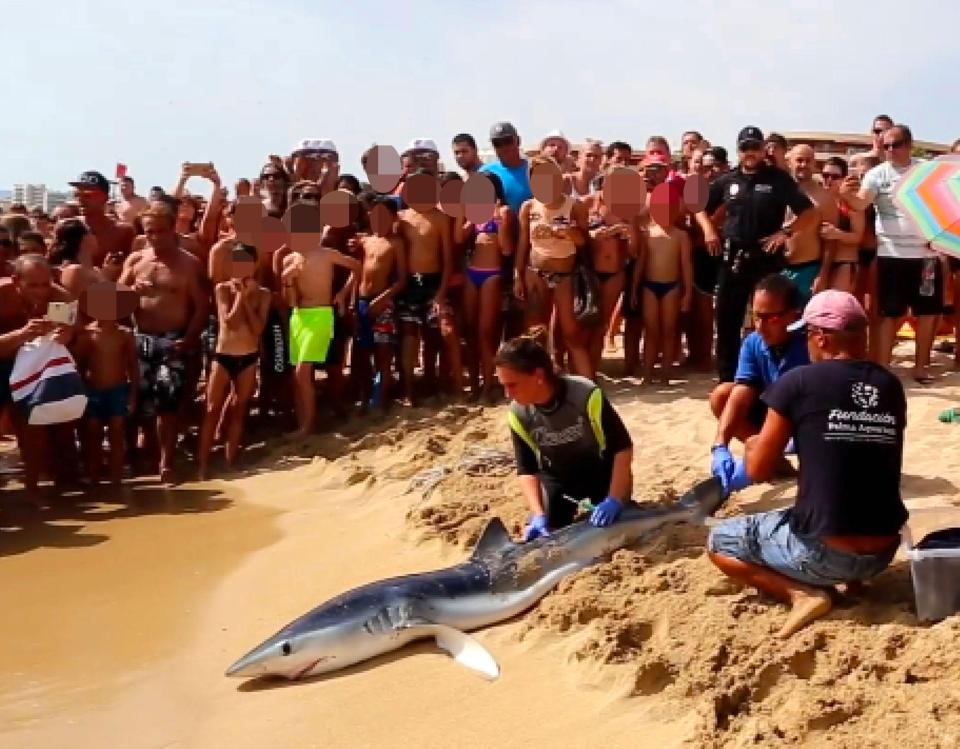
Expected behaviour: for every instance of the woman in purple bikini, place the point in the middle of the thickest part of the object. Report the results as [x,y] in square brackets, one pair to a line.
[486,245]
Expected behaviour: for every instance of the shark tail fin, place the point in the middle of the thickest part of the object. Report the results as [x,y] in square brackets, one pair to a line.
[704,499]
[466,650]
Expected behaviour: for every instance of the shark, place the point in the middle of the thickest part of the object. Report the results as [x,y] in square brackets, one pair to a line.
[500,580]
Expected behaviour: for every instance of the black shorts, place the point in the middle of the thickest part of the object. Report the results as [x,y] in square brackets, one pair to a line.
[705,270]
[898,287]
[866,256]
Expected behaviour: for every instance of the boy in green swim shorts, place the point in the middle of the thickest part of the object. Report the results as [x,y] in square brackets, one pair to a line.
[307,281]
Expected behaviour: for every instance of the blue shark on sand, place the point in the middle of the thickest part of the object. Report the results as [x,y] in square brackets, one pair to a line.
[500,580]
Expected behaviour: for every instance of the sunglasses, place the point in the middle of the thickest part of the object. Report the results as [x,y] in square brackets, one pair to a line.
[307,197]
[750,145]
[829,176]
[768,316]
[879,130]
[894,144]
[501,142]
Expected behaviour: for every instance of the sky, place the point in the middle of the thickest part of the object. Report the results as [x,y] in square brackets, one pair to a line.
[89,83]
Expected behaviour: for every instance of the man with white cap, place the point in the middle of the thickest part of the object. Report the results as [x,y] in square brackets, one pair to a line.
[425,155]
[847,417]
[316,160]
[556,146]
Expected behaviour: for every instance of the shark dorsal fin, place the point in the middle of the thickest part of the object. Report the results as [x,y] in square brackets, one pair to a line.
[493,538]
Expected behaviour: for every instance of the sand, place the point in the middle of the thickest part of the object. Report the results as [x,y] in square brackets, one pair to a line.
[122,612]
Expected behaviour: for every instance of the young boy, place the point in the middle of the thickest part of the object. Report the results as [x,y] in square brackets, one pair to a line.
[307,283]
[384,260]
[667,290]
[106,356]
[242,308]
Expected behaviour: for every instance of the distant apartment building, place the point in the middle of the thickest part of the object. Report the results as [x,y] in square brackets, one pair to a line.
[57,197]
[846,145]
[31,196]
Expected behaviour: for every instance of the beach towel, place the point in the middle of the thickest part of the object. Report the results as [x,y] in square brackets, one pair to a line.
[45,384]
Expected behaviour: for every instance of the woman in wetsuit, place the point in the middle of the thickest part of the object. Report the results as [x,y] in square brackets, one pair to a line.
[613,239]
[486,245]
[569,442]
[552,227]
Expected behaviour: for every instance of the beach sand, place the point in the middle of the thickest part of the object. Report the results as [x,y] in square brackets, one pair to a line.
[122,613]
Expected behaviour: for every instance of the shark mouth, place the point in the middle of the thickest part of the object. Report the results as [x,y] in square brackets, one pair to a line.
[309,667]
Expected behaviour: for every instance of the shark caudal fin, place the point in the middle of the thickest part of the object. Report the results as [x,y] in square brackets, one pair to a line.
[704,498]
[466,650]
[494,538]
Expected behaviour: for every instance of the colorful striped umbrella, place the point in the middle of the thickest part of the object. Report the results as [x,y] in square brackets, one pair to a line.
[929,193]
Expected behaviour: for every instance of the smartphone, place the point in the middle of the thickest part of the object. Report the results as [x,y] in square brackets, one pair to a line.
[64,313]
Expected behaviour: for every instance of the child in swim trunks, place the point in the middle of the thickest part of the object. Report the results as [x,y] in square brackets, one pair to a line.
[106,356]
[383,275]
[307,282]
[667,290]
[242,308]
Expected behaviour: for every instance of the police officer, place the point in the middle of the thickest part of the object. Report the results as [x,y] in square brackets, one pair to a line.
[756,197]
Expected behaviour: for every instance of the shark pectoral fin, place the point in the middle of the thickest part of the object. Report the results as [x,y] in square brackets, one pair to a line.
[466,650]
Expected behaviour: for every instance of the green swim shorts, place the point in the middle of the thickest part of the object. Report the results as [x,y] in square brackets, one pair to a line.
[311,330]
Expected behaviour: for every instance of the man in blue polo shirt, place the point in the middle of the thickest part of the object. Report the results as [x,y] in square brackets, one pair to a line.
[765,355]
[510,165]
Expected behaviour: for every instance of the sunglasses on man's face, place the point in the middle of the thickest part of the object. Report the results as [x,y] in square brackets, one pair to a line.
[501,142]
[879,130]
[769,316]
[828,176]
[894,144]
[751,145]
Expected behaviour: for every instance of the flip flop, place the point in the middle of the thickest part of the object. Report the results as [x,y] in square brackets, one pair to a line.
[950,416]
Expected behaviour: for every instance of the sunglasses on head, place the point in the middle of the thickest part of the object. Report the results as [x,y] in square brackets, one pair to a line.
[768,316]
[500,142]
[894,144]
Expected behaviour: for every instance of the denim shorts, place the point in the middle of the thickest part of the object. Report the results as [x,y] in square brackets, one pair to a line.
[766,539]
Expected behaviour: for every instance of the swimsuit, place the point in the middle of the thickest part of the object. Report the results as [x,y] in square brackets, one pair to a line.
[803,275]
[311,330]
[415,304]
[162,373]
[553,278]
[108,403]
[236,364]
[479,276]
[374,331]
[660,288]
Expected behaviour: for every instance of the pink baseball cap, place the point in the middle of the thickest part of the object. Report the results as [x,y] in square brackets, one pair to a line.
[832,310]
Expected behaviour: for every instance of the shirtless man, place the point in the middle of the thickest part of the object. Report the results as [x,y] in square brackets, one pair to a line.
[114,240]
[382,277]
[168,322]
[242,306]
[131,205]
[582,182]
[775,151]
[809,257]
[847,232]
[689,142]
[316,160]
[23,306]
[423,307]
[307,281]
[617,154]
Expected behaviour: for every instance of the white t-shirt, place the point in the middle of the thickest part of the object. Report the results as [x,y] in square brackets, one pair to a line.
[896,234]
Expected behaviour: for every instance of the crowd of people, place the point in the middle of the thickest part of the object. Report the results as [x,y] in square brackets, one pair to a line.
[306,285]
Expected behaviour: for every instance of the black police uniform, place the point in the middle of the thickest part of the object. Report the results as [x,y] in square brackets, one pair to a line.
[756,206]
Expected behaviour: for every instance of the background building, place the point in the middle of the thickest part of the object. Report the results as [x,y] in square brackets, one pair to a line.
[30,195]
[846,145]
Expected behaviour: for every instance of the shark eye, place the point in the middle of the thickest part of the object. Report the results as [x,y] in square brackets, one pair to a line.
[285,649]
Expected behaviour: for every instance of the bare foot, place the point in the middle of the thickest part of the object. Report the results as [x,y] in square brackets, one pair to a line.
[922,376]
[805,606]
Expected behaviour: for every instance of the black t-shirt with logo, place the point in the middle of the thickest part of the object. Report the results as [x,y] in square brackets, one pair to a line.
[756,202]
[848,421]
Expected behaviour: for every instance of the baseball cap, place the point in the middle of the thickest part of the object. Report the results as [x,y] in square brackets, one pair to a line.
[655,159]
[503,130]
[750,133]
[314,144]
[423,144]
[558,134]
[832,310]
[93,180]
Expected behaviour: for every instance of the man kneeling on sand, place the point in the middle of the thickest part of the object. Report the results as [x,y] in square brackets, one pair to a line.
[847,417]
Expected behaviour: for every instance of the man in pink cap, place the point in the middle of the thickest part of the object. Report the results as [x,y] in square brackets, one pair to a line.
[846,416]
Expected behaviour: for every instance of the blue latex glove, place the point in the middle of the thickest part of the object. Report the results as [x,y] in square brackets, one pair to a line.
[737,479]
[721,463]
[536,527]
[606,512]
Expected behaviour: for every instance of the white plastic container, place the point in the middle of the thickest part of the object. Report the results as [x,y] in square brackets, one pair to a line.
[936,579]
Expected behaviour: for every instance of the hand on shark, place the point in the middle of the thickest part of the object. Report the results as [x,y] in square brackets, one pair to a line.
[606,513]
[536,527]
[731,472]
